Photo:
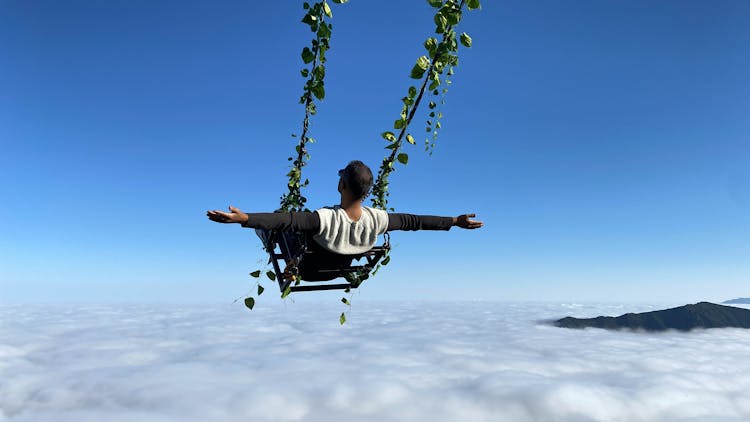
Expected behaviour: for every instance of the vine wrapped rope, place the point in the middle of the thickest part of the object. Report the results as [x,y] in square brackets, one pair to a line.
[314,55]
[314,88]
[441,55]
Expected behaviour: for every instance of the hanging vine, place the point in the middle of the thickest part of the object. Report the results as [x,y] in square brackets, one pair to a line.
[441,59]
[314,57]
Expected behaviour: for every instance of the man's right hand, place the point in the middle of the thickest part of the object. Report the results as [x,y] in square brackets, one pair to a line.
[465,221]
[233,216]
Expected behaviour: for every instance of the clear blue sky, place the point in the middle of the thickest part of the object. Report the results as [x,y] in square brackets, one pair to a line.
[604,143]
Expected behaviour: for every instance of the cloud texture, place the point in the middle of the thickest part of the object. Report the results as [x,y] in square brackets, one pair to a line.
[470,361]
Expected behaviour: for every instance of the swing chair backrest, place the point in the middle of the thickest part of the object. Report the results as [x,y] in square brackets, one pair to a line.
[316,264]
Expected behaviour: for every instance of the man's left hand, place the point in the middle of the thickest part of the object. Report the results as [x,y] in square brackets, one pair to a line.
[233,216]
[465,221]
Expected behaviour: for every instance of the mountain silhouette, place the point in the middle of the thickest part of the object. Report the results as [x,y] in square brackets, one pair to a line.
[683,318]
[739,300]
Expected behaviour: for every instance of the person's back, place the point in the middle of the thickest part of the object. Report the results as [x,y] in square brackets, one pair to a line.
[340,234]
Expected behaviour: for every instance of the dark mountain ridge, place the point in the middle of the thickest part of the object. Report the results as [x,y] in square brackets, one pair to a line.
[683,318]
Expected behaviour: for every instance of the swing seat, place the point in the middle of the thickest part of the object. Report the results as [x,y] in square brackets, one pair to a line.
[316,265]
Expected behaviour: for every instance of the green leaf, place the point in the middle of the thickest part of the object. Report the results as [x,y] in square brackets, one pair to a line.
[255,274]
[340,1]
[327,9]
[473,4]
[342,319]
[249,302]
[322,55]
[420,67]
[307,55]
[416,72]
[435,3]
[271,275]
[441,23]
[304,72]
[432,105]
[260,290]
[412,91]
[410,139]
[324,32]
[399,124]
[345,301]
[403,158]
[465,39]
[423,62]
[386,260]
[318,91]
[453,16]
[431,46]
[286,292]
[319,71]
[310,19]
[388,136]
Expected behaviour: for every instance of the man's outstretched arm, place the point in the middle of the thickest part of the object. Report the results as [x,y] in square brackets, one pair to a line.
[399,221]
[298,221]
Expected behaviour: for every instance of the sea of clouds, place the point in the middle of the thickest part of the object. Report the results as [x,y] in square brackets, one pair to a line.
[391,361]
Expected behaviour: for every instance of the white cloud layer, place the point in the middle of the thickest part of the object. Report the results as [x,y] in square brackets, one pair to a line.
[472,361]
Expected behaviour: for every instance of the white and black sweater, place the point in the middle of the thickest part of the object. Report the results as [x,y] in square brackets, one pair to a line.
[336,232]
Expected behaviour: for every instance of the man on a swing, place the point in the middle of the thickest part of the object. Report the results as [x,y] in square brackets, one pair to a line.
[349,228]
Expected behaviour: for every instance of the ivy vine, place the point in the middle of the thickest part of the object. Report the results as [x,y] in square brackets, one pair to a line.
[314,58]
[314,71]
[441,58]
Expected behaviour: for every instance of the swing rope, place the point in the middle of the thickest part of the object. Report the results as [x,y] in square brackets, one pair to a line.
[314,89]
[441,56]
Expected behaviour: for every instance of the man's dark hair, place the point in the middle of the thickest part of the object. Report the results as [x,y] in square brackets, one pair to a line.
[357,177]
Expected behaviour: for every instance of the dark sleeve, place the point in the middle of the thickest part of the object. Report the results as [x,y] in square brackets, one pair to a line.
[297,221]
[398,221]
